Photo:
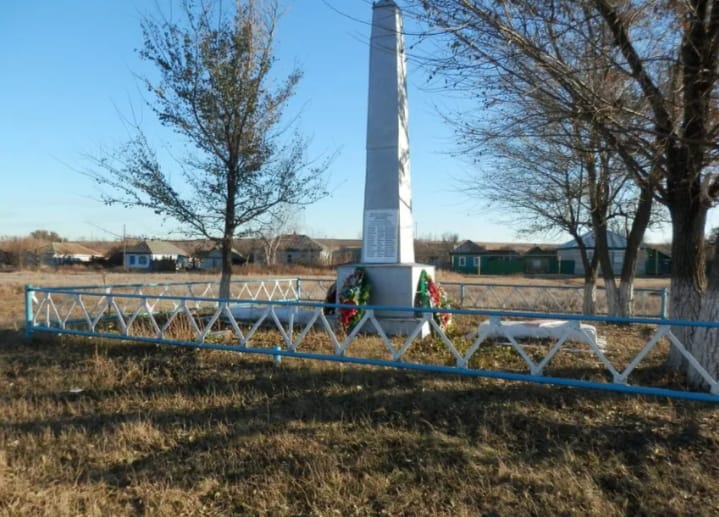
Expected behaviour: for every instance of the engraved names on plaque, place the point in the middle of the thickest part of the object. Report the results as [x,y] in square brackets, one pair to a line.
[380,239]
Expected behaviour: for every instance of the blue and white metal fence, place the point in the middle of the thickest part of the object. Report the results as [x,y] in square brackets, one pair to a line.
[274,319]
[468,295]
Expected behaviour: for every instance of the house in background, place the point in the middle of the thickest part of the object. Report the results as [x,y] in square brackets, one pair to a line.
[651,261]
[290,248]
[569,252]
[61,253]
[155,255]
[659,260]
[466,258]
[541,261]
[502,261]
[211,260]
[516,259]
[343,251]
[300,249]
[472,258]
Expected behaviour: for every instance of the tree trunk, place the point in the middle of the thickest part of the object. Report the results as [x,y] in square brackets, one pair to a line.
[611,292]
[688,276]
[226,277]
[634,251]
[625,300]
[624,296]
[620,300]
[589,305]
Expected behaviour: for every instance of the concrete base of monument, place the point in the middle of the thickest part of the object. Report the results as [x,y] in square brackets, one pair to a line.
[399,327]
[390,285]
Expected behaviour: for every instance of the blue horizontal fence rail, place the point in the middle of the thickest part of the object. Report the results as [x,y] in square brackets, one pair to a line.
[292,327]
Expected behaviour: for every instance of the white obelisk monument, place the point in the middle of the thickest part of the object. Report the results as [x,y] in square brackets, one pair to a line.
[387,229]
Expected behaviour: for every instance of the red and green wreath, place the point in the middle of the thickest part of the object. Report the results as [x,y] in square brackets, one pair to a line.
[355,291]
[430,294]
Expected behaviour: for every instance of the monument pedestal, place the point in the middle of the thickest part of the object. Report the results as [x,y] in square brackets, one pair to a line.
[391,285]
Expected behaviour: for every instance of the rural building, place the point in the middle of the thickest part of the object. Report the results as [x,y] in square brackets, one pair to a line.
[541,261]
[154,255]
[344,251]
[301,249]
[211,260]
[291,249]
[652,262]
[501,262]
[466,257]
[571,259]
[61,253]
[659,261]
[472,258]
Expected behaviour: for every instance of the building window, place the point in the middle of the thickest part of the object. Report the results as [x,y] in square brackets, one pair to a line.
[461,261]
[132,260]
[142,260]
[476,261]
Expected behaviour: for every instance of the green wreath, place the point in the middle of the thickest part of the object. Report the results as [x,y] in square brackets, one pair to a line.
[355,291]
[430,294]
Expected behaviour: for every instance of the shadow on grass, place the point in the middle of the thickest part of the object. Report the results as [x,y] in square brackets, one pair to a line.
[278,420]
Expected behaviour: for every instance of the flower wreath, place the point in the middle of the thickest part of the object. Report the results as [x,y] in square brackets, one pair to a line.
[430,294]
[355,291]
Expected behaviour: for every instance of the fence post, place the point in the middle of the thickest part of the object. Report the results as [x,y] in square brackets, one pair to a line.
[28,312]
[277,358]
[461,295]
[298,288]
[665,305]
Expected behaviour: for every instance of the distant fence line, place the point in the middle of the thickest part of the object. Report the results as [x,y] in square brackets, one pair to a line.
[273,319]
[467,295]
[549,298]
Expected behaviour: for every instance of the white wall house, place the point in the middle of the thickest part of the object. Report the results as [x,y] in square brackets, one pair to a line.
[569,251]
[59,253]
[147,253]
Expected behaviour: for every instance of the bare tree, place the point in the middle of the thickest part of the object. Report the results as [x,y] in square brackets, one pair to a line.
[558,170]
[215,89]
[45,235]
[662,123]
[677,76]
[275,225]
[539,182]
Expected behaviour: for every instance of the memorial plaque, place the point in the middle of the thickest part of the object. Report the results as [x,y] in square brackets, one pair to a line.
[380,237]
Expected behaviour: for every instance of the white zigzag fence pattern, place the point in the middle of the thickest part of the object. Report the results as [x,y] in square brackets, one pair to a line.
[152,313]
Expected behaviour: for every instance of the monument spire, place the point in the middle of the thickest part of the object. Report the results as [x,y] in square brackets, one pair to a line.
[387,229]
[387,238]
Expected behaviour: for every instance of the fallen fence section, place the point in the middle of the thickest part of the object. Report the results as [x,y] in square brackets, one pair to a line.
[274,321]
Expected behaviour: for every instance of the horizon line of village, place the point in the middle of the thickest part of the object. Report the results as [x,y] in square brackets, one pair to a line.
[450,252]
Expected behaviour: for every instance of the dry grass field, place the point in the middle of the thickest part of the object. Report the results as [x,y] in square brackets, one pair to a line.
[89,427]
